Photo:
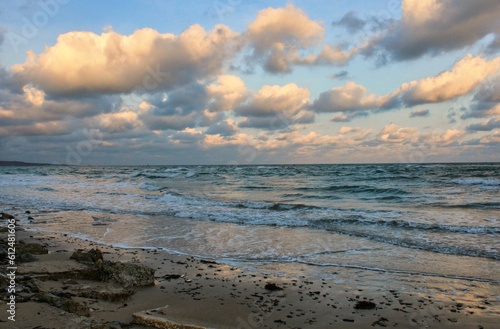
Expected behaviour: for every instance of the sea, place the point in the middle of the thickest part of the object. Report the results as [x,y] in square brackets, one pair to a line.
[435,220]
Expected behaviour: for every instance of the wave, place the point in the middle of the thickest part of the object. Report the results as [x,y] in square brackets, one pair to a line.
[422,244]
[471,205]
[301,260]
[149,187]
[477,181]
[407,225]
[357,189]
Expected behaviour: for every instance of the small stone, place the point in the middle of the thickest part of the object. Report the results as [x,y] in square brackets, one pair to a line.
[364,305]
[272,287]
[6,216]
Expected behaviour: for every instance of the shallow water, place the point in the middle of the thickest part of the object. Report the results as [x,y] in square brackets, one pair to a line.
[436,220]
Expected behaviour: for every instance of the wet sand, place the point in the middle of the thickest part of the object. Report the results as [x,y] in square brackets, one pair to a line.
[190,292]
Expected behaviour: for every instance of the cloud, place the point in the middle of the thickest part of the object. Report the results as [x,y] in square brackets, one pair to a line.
[182,101]
[348,116]
[419,113]
[442,138]
[278,36]
[227,92]
[2,35]
[463,78]
[436,26]
[350,97]
[493,139]
[30,105]
[145,61]
[223,128]
[49,128]
[275,107]
[123,121]
[486,101]
[339,75]
[393,133]
[489,125]
[351,22]
[354,24]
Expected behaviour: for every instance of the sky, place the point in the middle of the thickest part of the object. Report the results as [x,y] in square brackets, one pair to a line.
[249,82]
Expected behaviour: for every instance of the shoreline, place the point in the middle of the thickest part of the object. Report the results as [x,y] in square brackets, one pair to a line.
[210,294]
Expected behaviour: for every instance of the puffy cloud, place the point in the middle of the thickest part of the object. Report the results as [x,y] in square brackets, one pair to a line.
[464,77]
[33,95]
[393,133]
[278,35]
[289,25]
[445,138]
[488,125]
[435,26]
[357,133]
[124,120]
[275,107]
[227,92]
[84,62]
[350,97]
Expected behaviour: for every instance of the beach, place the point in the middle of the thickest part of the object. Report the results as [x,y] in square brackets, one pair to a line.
[190,292]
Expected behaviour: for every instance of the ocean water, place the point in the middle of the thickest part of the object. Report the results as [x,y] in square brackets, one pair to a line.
[429,219]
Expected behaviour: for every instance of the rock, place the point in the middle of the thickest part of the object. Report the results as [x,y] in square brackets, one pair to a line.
[87,257]
[157,318]
[364,305]
[109,325]
[65,269]
[272,287]
[107,294]
[206,261]
[6,216]
[66,304]
[32,248]
[171,276]
[25,257]
[127,274]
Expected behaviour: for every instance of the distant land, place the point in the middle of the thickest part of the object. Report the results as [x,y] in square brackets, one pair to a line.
[20,163]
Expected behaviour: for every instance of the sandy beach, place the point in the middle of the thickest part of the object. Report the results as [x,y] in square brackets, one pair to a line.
[54,291]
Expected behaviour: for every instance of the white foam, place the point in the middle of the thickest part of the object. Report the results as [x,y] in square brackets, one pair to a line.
[149,187]
[477,181]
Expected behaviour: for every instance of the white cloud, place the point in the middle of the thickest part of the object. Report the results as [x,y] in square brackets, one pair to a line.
[393,133]
[227,92]
[84,62]
[350,97]
[436,26]
[463,78]
[278,36]
[276,107]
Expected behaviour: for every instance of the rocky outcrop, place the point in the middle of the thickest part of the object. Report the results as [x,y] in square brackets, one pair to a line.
[115,280]
[90,257]
[157,318]
[128,274]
